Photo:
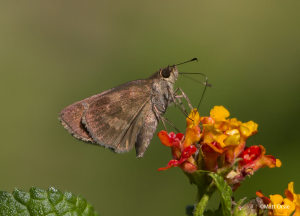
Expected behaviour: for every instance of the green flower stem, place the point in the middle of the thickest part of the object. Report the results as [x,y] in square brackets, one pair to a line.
[203,200]
[200,207]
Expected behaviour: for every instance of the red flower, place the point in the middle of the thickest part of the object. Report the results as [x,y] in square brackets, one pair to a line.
[254,157]
[182,156]
[170,139]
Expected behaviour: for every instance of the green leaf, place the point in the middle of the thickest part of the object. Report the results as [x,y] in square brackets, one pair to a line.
[225,192]
[39,202]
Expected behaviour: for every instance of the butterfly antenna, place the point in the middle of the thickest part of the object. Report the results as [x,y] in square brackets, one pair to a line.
[205,83]
[203,92]
[193,59]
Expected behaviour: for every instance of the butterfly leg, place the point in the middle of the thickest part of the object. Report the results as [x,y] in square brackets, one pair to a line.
[164,120]
[158,116]
[178,103]
[183,95]
[177,98]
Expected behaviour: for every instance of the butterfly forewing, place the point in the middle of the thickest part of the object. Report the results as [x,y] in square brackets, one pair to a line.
[110,119]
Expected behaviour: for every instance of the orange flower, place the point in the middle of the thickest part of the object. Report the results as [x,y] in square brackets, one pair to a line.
[220,143]
[295,198]
[228,134]
[279,206]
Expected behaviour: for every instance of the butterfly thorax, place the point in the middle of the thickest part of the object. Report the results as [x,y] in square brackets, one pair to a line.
[163,90]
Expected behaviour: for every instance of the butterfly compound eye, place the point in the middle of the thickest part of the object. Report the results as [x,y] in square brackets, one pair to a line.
[166,73]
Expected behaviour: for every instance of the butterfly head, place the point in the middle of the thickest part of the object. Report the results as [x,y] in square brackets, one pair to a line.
[169,73]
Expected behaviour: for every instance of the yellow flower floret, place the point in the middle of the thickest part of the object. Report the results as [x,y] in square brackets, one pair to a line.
[192,132]
[295,198]
[193,119]
[288,206]
[248,128]
[219,113]
[233,137]
[281,206]
[278,163]
[227,132]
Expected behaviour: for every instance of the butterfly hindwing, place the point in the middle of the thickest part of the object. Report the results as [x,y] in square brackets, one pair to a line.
[71,116]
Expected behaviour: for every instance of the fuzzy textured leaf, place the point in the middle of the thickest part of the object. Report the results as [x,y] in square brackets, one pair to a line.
[225,191]
[39,202]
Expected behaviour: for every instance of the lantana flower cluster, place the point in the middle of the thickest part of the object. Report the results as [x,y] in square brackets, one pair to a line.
[215,143]
[280,206]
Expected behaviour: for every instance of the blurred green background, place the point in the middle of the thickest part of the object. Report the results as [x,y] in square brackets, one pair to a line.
[53,53]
